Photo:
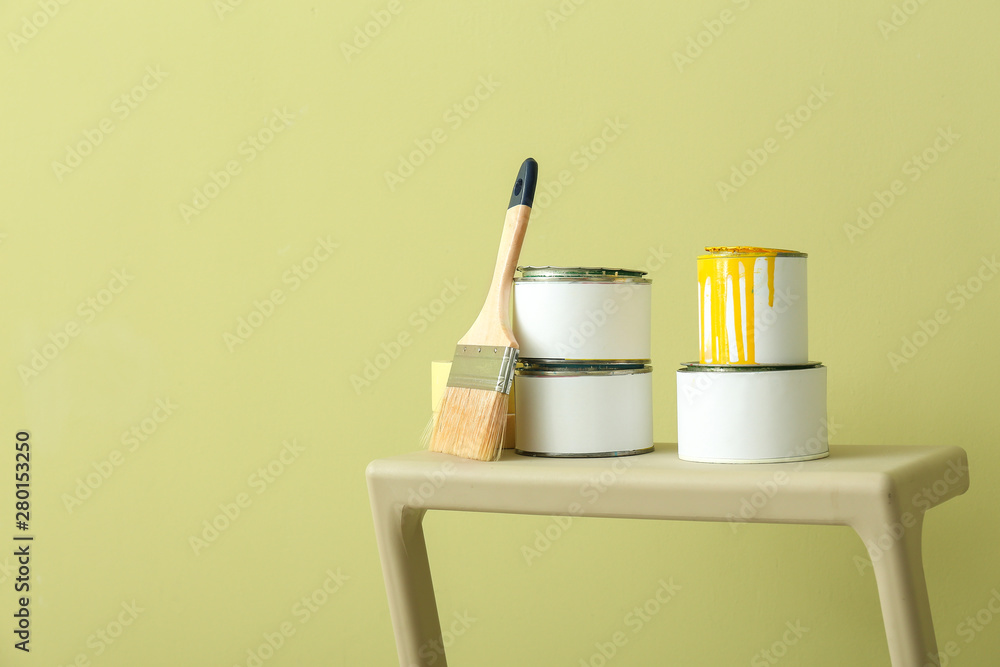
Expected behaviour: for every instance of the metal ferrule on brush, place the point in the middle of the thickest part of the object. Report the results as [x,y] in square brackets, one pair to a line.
[483,367]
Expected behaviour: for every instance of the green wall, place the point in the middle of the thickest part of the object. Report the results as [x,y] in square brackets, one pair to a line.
[215,214]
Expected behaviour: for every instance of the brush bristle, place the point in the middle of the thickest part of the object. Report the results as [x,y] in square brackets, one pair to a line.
[471,423]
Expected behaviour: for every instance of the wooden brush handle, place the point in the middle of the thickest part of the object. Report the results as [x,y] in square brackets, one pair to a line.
[492,327]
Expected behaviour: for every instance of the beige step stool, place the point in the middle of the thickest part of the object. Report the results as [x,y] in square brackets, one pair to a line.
[869,488]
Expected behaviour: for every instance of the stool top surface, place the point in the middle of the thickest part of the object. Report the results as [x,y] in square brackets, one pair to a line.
[659,484]
[843,459]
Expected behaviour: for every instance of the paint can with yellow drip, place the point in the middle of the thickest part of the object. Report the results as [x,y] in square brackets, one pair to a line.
[752,306]
[753,396]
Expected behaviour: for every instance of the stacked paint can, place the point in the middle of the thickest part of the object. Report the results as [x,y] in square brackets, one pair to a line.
[753,396]
[583,383]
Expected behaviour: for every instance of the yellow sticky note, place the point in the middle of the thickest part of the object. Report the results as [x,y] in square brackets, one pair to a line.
[439,380]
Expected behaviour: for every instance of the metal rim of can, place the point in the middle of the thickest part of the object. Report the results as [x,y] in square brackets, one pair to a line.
[695,367]
[580,274]
[587,455]
[547,362]
[530,369]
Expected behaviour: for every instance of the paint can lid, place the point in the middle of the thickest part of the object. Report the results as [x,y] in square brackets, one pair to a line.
[580,274]
[747,251]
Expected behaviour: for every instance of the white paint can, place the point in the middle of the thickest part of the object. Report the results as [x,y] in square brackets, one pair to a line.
[580,410]
[752,414]
[582,314]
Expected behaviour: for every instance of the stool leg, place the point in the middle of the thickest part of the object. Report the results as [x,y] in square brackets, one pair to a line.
[899,572]
[408,584]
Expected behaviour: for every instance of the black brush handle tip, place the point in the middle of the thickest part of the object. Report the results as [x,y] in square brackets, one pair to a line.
[524,186]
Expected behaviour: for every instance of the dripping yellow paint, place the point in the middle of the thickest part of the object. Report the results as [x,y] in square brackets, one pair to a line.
[726,301]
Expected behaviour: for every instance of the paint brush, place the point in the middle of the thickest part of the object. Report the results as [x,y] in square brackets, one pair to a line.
[473,412]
